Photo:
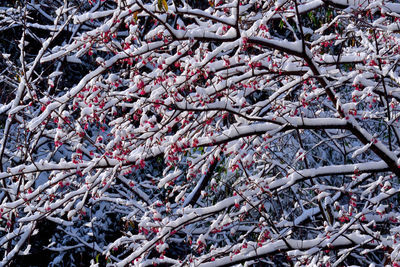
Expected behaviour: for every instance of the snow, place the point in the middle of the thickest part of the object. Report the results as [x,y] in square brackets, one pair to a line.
[293,47]
[92,16]
[273,247]
[162,96]
[327,170]
[361,150]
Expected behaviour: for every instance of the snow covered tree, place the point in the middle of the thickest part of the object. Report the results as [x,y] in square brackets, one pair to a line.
[200,133]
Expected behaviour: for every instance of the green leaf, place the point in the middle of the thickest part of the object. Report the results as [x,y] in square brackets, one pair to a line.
[281,24]
[162,5]
[165,5]
[329,14]
[312,18]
